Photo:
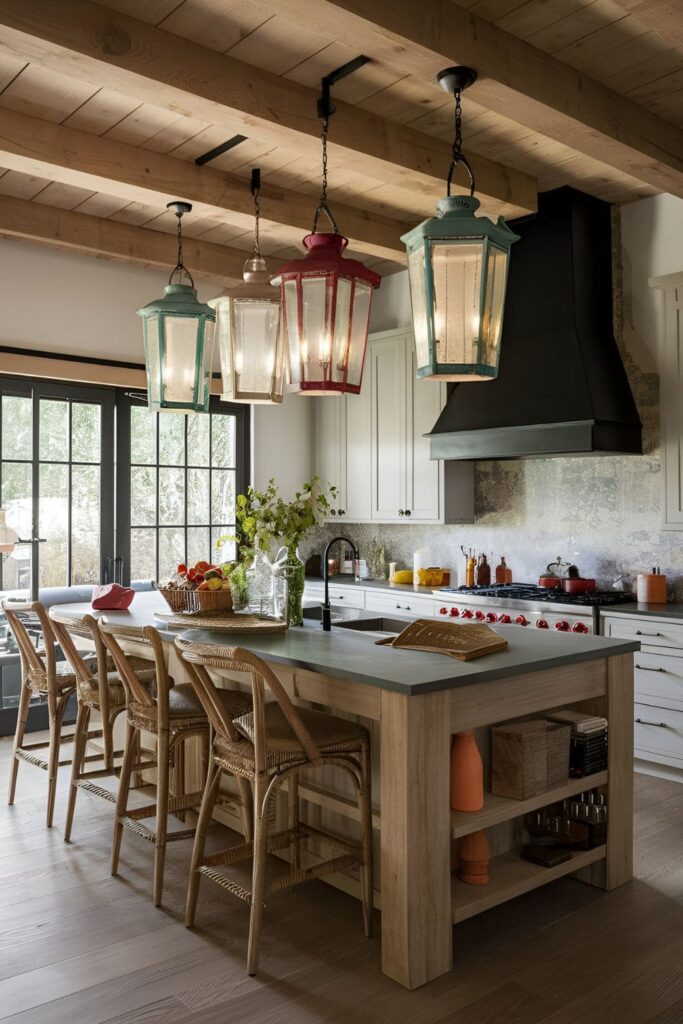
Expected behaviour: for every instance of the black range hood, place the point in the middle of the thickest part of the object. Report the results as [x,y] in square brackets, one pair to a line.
[561,388]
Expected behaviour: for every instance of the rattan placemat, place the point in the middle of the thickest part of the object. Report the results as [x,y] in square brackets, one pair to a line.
[226,623]
[457,641]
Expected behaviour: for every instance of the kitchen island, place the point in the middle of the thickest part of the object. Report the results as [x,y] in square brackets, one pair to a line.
[414,702]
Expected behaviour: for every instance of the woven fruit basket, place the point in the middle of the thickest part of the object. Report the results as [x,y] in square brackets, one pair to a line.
[214,600]
[178,600]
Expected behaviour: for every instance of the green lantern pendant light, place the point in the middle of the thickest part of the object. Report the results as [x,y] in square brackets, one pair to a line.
[457,269]
[178,334]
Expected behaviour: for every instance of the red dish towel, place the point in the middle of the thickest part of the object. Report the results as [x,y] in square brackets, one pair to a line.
[112,596]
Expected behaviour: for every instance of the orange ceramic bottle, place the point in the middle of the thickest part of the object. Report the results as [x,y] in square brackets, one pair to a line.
[467,774]
[474,857]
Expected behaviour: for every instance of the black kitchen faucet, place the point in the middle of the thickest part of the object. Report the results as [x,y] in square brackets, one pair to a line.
[326,610]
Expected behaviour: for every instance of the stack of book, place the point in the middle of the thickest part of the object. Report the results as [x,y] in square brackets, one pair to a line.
[588,742]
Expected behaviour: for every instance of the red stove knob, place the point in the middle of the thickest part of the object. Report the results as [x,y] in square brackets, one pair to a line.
[563,626]
[491,617]
[505,618]
[467,614]
[521,621]
[443,611]
[580,627]
[455,613]
[541,623]
[480,616]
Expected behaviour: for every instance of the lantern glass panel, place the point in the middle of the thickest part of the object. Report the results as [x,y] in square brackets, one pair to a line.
[342,317]
[250,344]
[494,299]
[182,334]
[316,339]
[421,315]
[457,271]
[361,315]
[152,359]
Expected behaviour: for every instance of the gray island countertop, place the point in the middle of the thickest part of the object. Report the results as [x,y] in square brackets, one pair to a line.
[351,654]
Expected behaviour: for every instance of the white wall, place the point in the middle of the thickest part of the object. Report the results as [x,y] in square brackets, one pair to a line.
[71,304]
[391,303]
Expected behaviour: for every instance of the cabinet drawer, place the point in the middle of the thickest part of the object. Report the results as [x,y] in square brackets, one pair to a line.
[400,604]
[651,631]
[347,597]
[659,734]
[659,678]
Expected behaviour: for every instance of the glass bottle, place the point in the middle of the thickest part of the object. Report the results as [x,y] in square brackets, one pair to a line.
[503,574]
[483,572]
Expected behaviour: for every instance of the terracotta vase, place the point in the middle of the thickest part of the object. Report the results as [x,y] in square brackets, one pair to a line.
[474,857]
[467,774]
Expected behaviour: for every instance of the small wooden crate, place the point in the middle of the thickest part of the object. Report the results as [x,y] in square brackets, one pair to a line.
[529,758]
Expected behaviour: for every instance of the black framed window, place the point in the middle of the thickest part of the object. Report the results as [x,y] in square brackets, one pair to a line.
[178,479]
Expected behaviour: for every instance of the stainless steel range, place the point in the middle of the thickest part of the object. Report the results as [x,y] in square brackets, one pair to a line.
[525,604]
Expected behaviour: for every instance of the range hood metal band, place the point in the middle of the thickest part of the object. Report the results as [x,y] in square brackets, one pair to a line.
[579,437]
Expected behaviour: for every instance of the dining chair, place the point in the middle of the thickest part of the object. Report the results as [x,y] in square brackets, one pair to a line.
[98,689]
[274,742]
[45,680]
[172,714]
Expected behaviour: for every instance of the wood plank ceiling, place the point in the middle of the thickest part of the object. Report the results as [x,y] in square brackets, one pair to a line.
[103,117]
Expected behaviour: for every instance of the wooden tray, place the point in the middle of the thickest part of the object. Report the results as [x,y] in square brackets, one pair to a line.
[457,641]
[226,623]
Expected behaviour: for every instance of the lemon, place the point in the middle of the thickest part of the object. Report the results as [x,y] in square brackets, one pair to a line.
[214,583]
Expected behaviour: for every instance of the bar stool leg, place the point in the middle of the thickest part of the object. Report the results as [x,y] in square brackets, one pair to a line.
[22,718]
[162,810]
[258,884]
[213,779]
[365,807]
[56,709]
[129,754]
[80,744]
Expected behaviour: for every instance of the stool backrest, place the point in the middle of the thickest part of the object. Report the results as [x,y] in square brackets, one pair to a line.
[32,663]
[113,635]
[200,657]
[66,627]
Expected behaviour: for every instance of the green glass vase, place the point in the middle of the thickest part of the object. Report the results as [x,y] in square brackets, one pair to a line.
[294,571]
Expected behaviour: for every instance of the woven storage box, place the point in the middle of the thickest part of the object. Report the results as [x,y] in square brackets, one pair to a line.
[214,600]
[529,758]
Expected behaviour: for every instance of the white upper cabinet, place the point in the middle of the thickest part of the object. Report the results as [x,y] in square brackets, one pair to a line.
[671,347]
[373,445]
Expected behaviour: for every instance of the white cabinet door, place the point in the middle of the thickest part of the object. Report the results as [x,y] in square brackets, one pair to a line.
[671,407]
[388,408]
[357,504]
[424,478]
[329,462]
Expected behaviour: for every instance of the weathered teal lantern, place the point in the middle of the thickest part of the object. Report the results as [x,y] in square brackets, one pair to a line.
[178,335]
[457,269]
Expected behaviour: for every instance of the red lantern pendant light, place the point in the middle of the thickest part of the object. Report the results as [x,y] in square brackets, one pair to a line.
[326,301]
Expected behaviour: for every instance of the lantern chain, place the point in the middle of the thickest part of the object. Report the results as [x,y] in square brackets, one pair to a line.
[458,155]
[180,267]
[255,189]
[323,206]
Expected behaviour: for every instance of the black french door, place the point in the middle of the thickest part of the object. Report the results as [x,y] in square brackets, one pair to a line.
[56,483]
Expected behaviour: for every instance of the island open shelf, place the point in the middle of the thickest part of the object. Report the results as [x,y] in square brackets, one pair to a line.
[510,877]
[498,809]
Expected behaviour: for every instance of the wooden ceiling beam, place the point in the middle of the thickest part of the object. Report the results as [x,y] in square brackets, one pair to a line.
[664,16]
[92,43]
[73,157]
[516,79]
[96,236]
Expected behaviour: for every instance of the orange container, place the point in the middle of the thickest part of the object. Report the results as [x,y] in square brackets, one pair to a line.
[474,857]
[467,774]
[651,588]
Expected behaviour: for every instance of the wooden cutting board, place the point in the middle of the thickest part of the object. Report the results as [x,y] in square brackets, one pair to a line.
[464,642]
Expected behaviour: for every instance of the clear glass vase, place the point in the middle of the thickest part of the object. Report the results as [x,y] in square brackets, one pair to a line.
[260,584]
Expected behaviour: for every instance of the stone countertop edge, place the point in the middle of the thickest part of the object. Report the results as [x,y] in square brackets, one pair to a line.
[353,655]
[661,611]
[390,588]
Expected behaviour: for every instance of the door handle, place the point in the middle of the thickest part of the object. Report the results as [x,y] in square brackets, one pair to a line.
[648,668]
[118,569]
[644,721]
[641,632]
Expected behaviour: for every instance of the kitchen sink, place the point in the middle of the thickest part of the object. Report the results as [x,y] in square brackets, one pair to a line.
[356,618]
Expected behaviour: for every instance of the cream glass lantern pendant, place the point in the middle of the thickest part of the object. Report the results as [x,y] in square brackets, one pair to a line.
[326,301]
[457,269]
[178,334]
[249,331]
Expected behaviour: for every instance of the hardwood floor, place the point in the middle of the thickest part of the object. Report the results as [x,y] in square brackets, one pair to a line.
[80,947]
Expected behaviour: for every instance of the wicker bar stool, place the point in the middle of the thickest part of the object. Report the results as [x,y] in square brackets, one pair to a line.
[173,714]
[99,688]
[45,679]
[276,741]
